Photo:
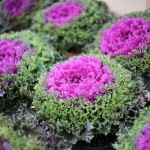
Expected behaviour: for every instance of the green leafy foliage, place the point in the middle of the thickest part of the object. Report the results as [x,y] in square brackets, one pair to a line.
[145,14]
[82,120]
[18,140]
[30,68]
[126,141]
[76,34]
[136,64]
[25,120]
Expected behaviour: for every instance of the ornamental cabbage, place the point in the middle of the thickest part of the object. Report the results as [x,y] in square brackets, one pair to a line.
[23,57]
[16,8]
[138,137]
[17,14]
[143,140]
[86,96]
[71,24]
[127,40]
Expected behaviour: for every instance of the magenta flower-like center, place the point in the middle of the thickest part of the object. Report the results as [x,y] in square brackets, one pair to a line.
[16,8]
[143,140]
[84,77]
[63,13]
[127,37]
[4,145]
[11,53]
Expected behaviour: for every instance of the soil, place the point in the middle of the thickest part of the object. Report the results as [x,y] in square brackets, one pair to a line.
[101,142]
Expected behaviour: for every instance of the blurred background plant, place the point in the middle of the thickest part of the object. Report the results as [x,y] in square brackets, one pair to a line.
[73,36]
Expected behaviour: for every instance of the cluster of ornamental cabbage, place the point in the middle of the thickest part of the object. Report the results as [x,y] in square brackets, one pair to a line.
[81,97]
[72,24]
